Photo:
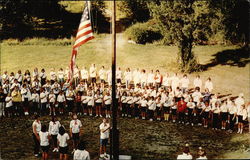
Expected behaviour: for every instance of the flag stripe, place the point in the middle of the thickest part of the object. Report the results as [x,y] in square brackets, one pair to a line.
[84,25]
[84,41]
[84,34]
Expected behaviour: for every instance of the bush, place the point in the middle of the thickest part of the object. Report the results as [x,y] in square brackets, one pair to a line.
[141,33]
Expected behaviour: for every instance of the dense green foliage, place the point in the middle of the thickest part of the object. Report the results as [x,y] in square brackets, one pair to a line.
[182,22]
[142,33]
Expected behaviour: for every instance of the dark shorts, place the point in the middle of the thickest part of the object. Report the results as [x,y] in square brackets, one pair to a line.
[174,111]
[143,109]
[240,119]
[166,109]
[89,107]
[206,114]
[98,104]
[75,136]
[108,107]
[45,148]
[64,150]
[224,116]
[103,142]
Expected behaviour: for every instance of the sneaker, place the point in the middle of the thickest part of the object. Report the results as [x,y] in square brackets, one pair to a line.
[192,124]
[150,119]
[36,155]
[101,155]
[101,116]
[96,116]
[106,156]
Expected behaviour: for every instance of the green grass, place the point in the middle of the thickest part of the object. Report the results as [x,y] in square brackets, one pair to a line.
[45,53]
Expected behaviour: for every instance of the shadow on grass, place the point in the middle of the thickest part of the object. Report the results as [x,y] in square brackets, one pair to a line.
[232,57]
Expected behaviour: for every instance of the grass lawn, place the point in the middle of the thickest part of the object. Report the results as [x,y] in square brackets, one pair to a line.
[229,78]
[141,139]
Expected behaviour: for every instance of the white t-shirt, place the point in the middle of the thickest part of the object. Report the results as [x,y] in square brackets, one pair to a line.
[151,77]
[44,140]
[128,76]
[197,82]
[38,126]
[54,127]
[202,158]
[35,97]
[102,74]
[92,72]
[63,139]
[143,102]
[52,75]
[209,85]
[61,98]
[98,98]
[184,82]
[75,125]
[151,105]
[60,74]
[8,101]
[84,74]
[81,155]
[184,156]
[166,81]
[90,100]
[107,100]
[104,135]
[118,74]
[43,97]
[52,98]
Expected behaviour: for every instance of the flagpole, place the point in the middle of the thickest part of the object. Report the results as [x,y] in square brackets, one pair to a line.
[114,131]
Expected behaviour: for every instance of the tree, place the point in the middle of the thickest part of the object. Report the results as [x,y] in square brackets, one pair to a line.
[185,21]
[232,19]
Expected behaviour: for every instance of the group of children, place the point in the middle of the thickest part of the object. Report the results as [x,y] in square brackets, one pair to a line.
[56,134]
[57,137]
[139,94]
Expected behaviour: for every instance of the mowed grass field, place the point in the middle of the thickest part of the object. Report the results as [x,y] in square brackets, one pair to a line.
[43,53]
[141,139]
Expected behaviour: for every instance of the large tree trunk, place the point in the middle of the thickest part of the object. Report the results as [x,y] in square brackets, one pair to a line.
[186,56]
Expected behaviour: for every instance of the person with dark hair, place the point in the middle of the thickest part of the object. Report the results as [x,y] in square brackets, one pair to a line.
[181,108]
[185,154]
[104,137]
[43,77]
[75,131]
[201,154]
[36,127]
[43,101]
[54,126]
[81,153]
[2,103]
[63,138]
[44,141]
[124,104]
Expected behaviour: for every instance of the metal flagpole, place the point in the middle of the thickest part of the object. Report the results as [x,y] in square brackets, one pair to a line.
[114,131]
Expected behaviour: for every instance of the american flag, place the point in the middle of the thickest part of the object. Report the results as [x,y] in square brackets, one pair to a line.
[84,34]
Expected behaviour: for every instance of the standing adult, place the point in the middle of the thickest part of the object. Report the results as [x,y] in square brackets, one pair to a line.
[75,131]
[54,126]
[104,137]
[36,128]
